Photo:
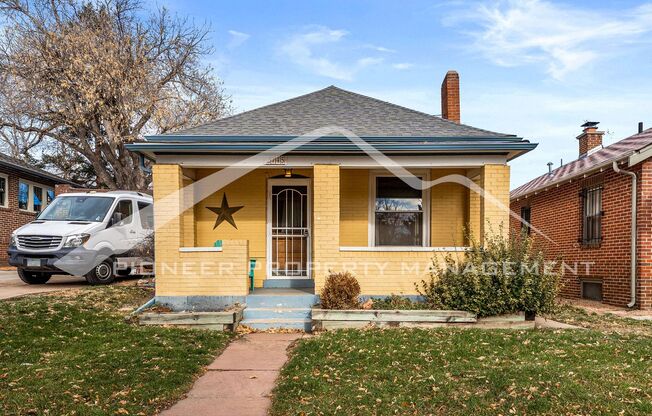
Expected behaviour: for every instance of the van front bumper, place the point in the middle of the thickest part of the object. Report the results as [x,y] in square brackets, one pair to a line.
[66,260]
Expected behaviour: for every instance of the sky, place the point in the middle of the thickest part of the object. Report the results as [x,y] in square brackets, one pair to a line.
[536,69]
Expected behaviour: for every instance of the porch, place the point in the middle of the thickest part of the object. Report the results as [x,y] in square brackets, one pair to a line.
[301,220]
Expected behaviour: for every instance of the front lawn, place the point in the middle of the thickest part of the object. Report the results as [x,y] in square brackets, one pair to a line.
[602,322]
[462,372]
[72,353]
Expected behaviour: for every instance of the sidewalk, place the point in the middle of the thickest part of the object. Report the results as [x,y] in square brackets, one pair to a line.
[239,381]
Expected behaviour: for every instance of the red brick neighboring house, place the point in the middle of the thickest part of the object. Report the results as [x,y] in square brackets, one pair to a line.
[584,207]
[24,191]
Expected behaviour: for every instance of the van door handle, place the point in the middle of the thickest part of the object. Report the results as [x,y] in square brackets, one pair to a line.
[132,232]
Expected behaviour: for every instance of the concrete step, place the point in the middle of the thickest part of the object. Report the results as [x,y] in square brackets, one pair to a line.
[281,301]
[277,313]
[302,324]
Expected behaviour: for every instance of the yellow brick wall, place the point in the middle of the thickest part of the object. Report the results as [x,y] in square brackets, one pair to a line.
[191,274]
[448,210]
[495,213]
[326,220]
[354,207]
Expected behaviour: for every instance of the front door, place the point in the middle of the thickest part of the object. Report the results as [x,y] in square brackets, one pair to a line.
[288,229]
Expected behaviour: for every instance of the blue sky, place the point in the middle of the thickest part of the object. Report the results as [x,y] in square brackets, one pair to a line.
[537,69]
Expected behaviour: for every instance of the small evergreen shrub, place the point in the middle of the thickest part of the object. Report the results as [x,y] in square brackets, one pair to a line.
[505,275]
[341,291]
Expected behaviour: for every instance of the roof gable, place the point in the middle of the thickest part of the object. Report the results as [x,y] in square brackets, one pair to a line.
[332,106]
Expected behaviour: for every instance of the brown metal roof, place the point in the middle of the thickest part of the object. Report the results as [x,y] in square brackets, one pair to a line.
[605,156]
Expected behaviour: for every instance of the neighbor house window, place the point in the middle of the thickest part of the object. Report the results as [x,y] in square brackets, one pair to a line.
[23,195]
[525,219]
[398,213]
[4,186]
[37,198]
[591,197]
[33,196]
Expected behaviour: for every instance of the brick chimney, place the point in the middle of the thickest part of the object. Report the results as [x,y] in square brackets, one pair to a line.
[450,97]
[590,137]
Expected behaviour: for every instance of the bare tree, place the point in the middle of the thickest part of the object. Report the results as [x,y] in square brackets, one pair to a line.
[15,142]
[95,75]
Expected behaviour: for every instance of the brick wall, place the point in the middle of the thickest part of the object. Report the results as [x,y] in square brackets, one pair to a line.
[12,217]
[557,214]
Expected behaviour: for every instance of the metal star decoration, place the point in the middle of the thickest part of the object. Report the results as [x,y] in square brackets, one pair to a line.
[225,213]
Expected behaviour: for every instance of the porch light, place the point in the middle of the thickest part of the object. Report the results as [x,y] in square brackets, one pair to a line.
[288,173]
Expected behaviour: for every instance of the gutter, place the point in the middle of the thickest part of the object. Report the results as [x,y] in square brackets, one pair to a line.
[632,236]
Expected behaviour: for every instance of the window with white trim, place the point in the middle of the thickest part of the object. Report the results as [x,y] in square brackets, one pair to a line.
[398,213]
[4,191]
[33,196]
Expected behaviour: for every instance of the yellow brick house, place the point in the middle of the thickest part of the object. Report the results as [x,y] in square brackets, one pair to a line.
[316,183]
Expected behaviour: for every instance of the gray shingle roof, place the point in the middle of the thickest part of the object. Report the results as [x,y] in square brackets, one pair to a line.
[39,173]
[613,152]
[365,116]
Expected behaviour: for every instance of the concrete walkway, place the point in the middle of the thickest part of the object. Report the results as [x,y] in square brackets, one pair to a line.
[11,286]
[240,381]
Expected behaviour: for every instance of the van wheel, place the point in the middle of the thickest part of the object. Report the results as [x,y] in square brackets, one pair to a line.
[102,274]
[34,278]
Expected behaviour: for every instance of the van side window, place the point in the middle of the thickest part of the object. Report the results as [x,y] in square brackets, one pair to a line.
[146,214]
[125,207]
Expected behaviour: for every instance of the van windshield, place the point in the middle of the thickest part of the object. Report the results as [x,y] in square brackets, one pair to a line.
[77,208]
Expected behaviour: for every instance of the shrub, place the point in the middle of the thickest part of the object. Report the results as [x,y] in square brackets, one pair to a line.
[341,291]
[397,302]
[503,276]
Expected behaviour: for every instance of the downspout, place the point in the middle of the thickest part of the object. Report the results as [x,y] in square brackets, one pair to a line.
[142,165]
[632,271]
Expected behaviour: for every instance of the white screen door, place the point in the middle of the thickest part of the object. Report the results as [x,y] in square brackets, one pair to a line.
[288,228]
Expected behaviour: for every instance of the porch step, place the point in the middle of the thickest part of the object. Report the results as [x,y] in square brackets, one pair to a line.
[281,301]
[279,308]
[288,283]
[301,324]
[277,313]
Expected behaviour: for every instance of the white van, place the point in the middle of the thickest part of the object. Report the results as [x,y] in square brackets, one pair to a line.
[88,233]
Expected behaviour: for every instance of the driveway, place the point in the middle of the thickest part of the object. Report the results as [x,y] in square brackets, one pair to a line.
[11,285]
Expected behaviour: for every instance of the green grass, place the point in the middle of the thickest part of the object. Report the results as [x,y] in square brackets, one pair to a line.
[467,372]
[73,353]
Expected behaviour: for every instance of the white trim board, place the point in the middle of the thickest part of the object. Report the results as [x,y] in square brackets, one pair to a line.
[199,249]
[354,162]
[6,178]
[405,249]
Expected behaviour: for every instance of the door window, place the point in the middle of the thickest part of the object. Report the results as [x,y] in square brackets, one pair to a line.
[125,208]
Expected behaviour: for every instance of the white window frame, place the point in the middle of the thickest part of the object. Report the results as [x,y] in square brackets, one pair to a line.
[30,195]
[6,178]
[425,198]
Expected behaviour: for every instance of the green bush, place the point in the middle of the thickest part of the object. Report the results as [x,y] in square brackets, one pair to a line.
[341,291]
[397,302]
[505,275]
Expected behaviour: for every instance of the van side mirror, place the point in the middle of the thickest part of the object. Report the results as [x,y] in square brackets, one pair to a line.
[116,219]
